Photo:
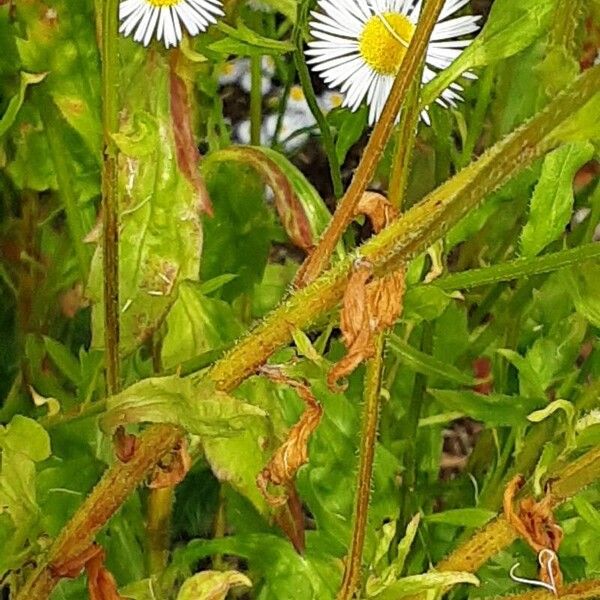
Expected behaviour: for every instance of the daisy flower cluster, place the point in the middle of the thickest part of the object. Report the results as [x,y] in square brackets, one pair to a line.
[359,46]
[164,19]
[357,49]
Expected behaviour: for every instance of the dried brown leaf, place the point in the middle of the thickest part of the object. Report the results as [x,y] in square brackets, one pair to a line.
[125,444]
[378,209]
[101,583]
[293,453]
[172,469]
[368,307]
[536,524]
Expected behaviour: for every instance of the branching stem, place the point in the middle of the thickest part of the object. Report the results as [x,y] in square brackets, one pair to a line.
[395,245]
[344,214]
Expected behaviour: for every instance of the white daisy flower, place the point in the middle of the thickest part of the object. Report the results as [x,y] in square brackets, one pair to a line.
[359,46]
[165,17]
[329,100]
[297,103]
[231,71]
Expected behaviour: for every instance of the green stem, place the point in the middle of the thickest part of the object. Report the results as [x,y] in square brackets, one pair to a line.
[311,100]
[344,214]
[368,439]
[110,199]
[403,150]
[255,99]
[518,268]
[158,528]
[395,245]
[76,225]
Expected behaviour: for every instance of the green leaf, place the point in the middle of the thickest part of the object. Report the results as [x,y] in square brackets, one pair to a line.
[246,42]
[428,365]
[238,238]
[511,27]
[69,53]
[462,517]
[15,103]
[583,285]
[494,409]
[63,359]
[417,584]
[27,437]
[160,231]
[552,201]
[212,585]
[587,512]
[279,566]
[196,324]
[197,407]
[301,210]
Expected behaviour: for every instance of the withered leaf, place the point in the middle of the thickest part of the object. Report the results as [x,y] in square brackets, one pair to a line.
[536,524]
[172,469]
[101,583]
[293,453]
[125,444]
[368,307]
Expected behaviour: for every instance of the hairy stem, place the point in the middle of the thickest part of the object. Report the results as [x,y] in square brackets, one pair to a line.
[498,534]
[117,483]
[518,268]
[344,214]
[409,235]
[368,439]
[110,198]
[397,244]
[581,590]
[311,100]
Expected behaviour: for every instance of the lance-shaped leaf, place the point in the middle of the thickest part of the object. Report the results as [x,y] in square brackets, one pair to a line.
[552,201]
[160,231]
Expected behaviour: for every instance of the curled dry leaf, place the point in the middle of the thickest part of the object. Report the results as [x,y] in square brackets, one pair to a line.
[369,306]
[101,583]
[536,524]
[172,469]
[125,444]
[293,453]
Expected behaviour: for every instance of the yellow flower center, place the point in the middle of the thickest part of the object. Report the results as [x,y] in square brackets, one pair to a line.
[384,40]
[296,93]
[163,2]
